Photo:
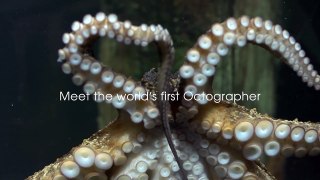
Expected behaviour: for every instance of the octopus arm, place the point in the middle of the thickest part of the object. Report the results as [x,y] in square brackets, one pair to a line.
[255,134]
[199,68]
[97,78]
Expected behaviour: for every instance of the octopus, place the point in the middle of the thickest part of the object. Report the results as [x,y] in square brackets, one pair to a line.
[209,140]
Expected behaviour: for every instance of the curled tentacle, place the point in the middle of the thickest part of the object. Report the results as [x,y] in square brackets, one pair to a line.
[98,78]
[205,55]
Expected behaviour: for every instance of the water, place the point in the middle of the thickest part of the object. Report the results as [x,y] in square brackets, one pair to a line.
[37,128]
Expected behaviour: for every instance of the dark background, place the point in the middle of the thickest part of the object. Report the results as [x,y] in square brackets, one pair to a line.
[36,128]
